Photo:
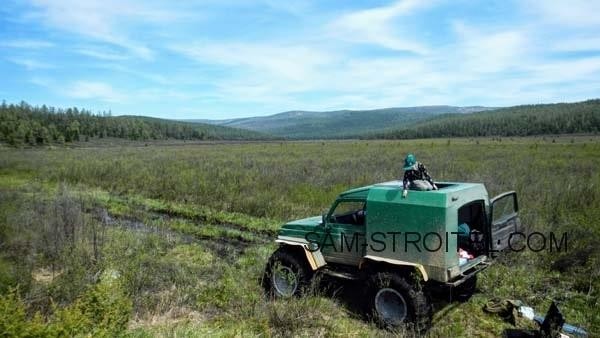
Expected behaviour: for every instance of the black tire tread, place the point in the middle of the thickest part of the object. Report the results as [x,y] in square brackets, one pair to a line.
[287,256]
[419,314]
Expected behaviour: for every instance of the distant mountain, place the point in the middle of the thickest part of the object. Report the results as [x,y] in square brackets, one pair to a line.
[25,124]
[524,120]
[339,123]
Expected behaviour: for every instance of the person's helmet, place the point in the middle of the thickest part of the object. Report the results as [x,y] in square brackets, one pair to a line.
[409,162]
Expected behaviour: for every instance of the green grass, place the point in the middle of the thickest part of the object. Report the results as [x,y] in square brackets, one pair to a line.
[133,204]
[193,228]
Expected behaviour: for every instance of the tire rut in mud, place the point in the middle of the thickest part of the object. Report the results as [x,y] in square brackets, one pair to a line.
[228,248]
[202,220]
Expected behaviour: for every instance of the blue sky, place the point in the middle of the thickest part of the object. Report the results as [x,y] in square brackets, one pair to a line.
[221,59]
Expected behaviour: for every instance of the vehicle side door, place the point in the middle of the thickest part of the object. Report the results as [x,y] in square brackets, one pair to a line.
[504,220]
[345,228]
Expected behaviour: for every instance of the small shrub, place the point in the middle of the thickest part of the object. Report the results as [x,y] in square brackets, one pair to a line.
[13,318]
[102,311]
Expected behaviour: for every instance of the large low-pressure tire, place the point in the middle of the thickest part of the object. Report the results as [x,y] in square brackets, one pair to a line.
[395,303]
[287,274]
[464,291]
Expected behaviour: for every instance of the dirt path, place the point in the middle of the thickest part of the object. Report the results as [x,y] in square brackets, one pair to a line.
[225,247]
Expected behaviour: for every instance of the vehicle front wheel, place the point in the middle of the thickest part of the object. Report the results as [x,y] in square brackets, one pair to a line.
[287,274]
[394,302]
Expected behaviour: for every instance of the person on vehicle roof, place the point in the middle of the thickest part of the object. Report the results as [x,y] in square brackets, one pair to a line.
[416,176]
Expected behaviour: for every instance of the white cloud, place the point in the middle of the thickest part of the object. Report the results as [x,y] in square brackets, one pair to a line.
[153,76]
[31,64]
[105,92]
[319,59]
[41,81]
[565,26]
[27,44]
[291,62]
[94,90]
[159,94]
[101,54]
[581,44]
[564,71]
[376,26]
[500,63]
[102,20]
[489,51]
[568,13]
[293,7]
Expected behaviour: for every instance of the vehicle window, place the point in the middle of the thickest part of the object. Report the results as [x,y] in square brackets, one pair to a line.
[503,208]
[350,212]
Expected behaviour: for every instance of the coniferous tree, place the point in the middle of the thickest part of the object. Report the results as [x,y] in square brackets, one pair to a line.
[24,124]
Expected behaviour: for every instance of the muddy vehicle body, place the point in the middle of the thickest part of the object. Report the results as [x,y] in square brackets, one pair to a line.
[396,247]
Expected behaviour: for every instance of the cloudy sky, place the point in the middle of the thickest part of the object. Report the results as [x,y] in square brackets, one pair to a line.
[235,58]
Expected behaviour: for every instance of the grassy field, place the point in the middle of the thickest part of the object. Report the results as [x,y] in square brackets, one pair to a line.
[172,240]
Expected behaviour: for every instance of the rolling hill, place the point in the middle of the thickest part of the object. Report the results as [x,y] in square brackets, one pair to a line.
[524,120]
[25,124]
[340,123]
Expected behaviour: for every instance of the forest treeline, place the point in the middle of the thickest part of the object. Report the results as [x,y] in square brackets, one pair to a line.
[525,120]
[23,124]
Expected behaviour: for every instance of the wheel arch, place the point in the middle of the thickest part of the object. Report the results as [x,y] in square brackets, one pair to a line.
[383,264]
[314,258]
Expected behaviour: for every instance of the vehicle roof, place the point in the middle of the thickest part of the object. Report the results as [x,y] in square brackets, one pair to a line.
[388,191]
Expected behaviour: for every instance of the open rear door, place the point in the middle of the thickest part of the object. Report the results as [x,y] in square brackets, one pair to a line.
[504,220]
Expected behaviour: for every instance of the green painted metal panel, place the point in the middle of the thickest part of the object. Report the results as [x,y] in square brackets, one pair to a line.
[358,193]
[299,228]
[421,227]
[404,231]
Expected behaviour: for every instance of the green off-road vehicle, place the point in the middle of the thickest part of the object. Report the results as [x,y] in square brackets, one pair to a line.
[396,248]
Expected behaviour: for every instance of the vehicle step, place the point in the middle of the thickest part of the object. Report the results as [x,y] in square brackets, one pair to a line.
[339,274]
[472,271]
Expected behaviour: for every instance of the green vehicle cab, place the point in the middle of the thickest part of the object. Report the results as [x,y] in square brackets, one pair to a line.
[399,247]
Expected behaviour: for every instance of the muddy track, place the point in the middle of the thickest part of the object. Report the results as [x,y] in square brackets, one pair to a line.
[201,219]
[228,248]
[258,236]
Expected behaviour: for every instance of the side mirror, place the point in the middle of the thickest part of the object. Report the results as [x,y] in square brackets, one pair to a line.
[324,218]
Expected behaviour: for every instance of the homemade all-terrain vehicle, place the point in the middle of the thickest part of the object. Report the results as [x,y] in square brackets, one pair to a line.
[396,247]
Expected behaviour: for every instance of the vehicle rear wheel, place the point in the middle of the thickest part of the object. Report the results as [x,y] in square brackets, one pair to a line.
[464,291]
[394,302]
[287,274]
